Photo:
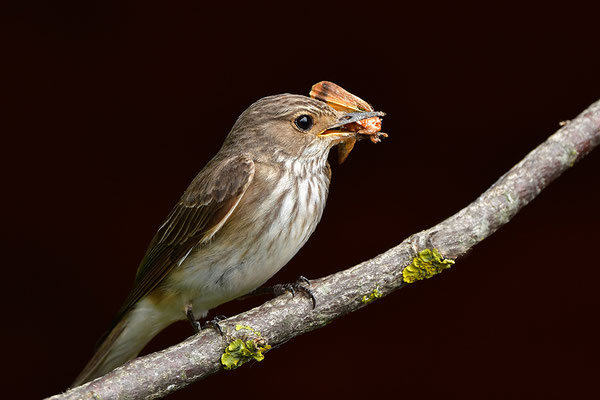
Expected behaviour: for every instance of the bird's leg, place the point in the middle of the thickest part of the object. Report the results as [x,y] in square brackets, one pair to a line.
[214,323]
[190,316]
[282,288]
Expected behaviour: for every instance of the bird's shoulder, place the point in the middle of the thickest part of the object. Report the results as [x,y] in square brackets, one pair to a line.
[222,177]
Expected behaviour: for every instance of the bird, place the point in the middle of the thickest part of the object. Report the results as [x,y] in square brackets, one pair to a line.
[242,218]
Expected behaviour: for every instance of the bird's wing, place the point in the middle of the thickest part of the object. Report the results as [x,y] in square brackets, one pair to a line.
[200,213]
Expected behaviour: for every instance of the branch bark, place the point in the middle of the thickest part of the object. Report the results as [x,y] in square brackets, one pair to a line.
[283,318]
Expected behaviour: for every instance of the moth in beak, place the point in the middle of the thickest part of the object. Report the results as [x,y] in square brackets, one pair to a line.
[359,121]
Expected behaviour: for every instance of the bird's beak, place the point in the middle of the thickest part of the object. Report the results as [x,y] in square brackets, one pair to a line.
[336,130]
[352,109]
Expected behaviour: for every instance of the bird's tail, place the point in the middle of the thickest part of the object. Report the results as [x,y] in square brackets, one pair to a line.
[123,342]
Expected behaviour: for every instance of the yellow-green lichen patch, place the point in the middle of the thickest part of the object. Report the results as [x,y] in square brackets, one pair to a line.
[241,351]
[248,328]
[573,154]
[375,294]
[425,265]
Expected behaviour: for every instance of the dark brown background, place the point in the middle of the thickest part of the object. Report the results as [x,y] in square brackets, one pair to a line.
[113,107]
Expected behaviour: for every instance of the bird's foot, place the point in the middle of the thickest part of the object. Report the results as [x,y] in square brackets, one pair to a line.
[197,326]
[297,286]
[282,288]
[189,313]
[214,323]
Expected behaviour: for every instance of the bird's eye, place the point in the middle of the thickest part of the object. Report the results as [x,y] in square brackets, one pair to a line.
[304,122]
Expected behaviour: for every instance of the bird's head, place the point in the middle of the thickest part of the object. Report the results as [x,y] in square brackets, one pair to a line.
[293,125]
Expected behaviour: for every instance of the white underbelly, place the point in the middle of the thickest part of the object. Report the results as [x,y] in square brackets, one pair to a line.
[229,267]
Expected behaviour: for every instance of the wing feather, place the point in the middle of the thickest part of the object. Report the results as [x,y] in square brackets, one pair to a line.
[202,210]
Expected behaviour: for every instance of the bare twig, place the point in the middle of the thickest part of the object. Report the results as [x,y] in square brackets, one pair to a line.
[279,320]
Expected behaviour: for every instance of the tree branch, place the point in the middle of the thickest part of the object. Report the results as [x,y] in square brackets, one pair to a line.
[283,318]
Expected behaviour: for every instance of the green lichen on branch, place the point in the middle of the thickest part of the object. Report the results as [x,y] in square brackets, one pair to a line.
[240,351]
[427,264]
[375,294]
[248,328]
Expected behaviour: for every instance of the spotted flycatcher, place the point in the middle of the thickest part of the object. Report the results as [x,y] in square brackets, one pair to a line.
[242,218]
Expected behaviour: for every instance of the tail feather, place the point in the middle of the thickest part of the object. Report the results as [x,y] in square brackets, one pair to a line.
[97,366]
[124,342]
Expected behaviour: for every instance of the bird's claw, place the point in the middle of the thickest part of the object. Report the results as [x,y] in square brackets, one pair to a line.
[303,279]
[214,323]
[197,326]
[296,286]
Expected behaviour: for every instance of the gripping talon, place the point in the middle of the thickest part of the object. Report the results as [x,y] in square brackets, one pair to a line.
[214,323]
[296,286]
[304,279]
[310,294]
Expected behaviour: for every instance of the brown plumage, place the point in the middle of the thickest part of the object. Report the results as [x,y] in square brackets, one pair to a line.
[241,219]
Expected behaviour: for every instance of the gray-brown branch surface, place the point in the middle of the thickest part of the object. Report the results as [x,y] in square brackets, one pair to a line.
[285,317]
